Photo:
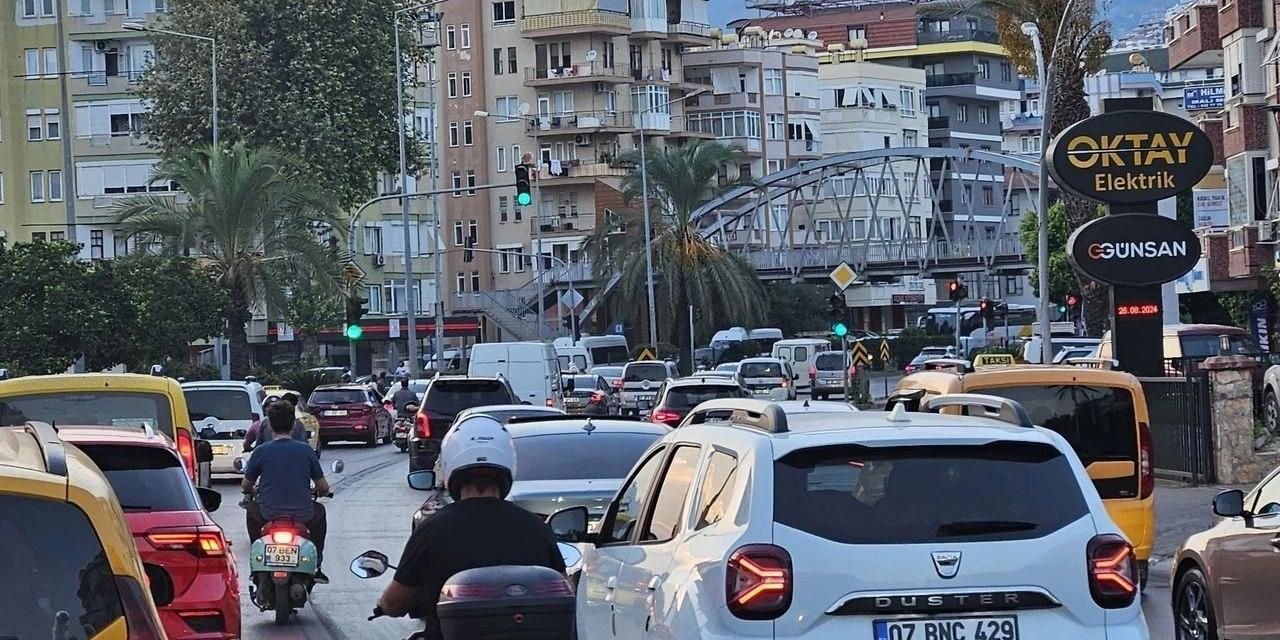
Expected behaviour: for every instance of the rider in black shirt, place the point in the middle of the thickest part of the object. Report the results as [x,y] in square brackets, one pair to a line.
[479,529]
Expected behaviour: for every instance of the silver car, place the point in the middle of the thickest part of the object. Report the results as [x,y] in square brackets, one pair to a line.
[640,383]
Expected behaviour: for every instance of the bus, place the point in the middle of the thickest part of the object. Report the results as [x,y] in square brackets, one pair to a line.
[1014,322]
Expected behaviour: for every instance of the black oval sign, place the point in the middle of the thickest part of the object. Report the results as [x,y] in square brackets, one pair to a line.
[1127,157]
[1134,249]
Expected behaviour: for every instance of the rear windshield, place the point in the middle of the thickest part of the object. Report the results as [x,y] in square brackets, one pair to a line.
[865,495]
[654,372]
[52,563]
[583,383]
[503,415]
[90,408]
[1206,345]
[145,478]
[761,370]
[830,361]
[688,397]
[616,354]
[338,396]
[608,372]
[449,398]
[933,351]
[579,361]
[596,455]
[223,404]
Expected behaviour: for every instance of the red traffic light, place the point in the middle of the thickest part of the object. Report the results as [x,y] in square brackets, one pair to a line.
[1072,300]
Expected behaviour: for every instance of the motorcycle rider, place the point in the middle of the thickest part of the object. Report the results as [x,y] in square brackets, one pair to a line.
[279,477]
[479,529]
[404,397]
[259,434]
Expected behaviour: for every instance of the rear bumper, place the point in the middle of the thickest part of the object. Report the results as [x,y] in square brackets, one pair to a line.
[826,386]
[423,454]
[224,463]
[208,610]
[588,410]
[345,431]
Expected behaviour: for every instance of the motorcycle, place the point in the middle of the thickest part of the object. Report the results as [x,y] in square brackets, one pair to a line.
[283,562]
[404,424]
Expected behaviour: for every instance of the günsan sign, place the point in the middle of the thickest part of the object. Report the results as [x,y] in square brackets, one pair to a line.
[1134,249]
[1127,157]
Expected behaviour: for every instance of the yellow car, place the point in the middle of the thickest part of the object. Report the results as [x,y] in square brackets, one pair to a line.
[1102,413]
[125,400]
[309,421]
[70,566]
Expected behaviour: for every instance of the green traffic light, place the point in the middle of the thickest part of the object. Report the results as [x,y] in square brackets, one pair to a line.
[354,331]
[840,330]
[524,199]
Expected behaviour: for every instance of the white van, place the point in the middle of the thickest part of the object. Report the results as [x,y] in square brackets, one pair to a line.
[802,353]
[531,368]
[602,350]
[573,356]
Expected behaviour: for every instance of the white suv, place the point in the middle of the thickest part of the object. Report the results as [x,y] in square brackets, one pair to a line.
[753,522]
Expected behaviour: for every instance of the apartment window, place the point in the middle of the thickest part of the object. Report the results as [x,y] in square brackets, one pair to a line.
[466,84]
[773,82]
[1006,72]
[467,138]
[909,138]
[516,158]
[988,196]
[774,166]
[498,65]
[518,258]
[33,63]
[29,8]
[473,231]
[50,62]
[962,113]
[907,101]
[775,126]
[858,32]
[501,159]
[966,194]
[460,283]
[37,8]
[471,183]
[464,36]
[372,239]
[57,236]
[450,38]
[984,69]
[512,61]
[507,108]
[504,262]
[475,280]
[934,69]
[1029,144]
[888,141]
[984,114]
[728,124]
[504,12]
[1013,286]
[52,124]
[453,134]
[37,186]
[96,250]
[35,127]
[502,209]
[38,236]
[55,185]
[458,236]
[457,185]
[453,85]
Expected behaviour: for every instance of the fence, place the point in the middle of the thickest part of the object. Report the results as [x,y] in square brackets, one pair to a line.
[1181,428]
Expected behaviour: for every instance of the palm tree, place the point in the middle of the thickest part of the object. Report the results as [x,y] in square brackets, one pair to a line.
[688,268]
[250,217]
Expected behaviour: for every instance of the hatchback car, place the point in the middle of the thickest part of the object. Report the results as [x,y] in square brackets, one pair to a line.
[768,378]
[747,526]
[640,382]
[222,413]
[445,398]
[189,565]
[677,398]
[350,412]
[926,354]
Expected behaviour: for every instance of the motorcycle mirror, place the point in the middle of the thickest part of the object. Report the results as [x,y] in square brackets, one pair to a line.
[338,466]
[370,564]
[238,465]
[571,554]
[422,480]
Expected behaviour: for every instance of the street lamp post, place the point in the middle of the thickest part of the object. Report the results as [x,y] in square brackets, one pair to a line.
[213,65]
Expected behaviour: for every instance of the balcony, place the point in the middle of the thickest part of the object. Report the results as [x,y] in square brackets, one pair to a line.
[575,75]
[575,222]
[580,123]
[939,122]
[1239,14]
[578,172]
[694,33]
[811,148]
[110,144]
[721,101]
[652,75]
[1247,254]
[752,146]
[1195,43]
[1247,131]
[803,104]
[950,79]
[101,83]
[562,23]
[957,35]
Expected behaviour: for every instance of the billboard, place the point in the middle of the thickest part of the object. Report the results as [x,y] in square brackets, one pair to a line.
[1203,98]
[1209,207]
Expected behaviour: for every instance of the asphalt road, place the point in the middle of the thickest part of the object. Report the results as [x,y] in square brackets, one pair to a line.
[371,508]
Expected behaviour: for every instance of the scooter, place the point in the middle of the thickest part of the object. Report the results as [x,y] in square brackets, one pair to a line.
[283,562]
[404,424]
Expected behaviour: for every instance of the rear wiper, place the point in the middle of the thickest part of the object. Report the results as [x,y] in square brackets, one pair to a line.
[136,507]
[975,527]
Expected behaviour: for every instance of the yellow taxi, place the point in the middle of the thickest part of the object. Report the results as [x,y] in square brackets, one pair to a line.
[70,566]
[126,400]
[1102,413]
[312,425]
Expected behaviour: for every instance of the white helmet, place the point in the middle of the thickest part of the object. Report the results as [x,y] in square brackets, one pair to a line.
[477,442]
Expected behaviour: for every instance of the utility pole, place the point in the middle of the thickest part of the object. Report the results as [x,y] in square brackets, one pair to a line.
[65,120]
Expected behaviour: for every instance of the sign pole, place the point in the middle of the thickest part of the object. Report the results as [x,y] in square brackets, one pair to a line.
[844,349]
[958,302]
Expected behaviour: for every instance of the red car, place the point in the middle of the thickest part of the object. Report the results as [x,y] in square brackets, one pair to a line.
[188,561]
[351,412]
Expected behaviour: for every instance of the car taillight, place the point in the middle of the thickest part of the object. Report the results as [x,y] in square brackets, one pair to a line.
[422,426]
[209,543]
[1146,473]
[663,416]
[551,402]
[139,622]
[282,536]
[389,406]
[813,372]
[758,582]
[1113,571]
[597,397]
[187,449]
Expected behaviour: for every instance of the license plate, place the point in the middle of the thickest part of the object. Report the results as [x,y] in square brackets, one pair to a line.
[336,412]
[646,396]
[221,449]
[975,628]
[281,555]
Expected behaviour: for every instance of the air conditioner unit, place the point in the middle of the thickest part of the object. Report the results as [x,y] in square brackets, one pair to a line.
[100,45]
[379,260]
[1267,230]
[582,139]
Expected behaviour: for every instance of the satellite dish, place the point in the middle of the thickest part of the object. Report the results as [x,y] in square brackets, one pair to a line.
[813,35]
[524,108]
[791,33]
[591,55]
[775,34]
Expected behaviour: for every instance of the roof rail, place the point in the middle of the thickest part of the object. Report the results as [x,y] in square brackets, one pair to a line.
[55,454]
[963,365]
[993,407]
[757,414]
[1109,364]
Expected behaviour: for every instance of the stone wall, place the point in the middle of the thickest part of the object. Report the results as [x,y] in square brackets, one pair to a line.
[1235,458]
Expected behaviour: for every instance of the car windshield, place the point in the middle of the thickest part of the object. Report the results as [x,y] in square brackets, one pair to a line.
[145,478]
[223,404]
[596,455]
[651,371]
[449,397]
[933,351]
[830,361]
[338,396]
[96,408]
[689,396]
[1206,345]
[927,494]
[53,565]
[761,370]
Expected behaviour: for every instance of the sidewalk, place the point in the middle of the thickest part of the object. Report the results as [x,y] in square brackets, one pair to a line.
[1181,511]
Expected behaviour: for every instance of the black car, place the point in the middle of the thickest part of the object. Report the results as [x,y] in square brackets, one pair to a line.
[445,398]
[677,398]
[589,394]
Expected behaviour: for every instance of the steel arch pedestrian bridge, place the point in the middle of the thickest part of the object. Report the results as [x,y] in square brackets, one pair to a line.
[916,212]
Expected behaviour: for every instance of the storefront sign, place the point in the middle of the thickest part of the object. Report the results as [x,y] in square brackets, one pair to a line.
[1127,157]
[1133,249]
[1210,208]
[1202,98]
[906,298]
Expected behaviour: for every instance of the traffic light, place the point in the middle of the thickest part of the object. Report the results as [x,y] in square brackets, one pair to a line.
[957,291]
[1073,300]
[524,197]
[840,329]
[356,310]
[835,307]
[987,309]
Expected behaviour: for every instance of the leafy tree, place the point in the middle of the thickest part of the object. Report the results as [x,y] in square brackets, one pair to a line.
[688,268]
[251,217]
[172,301]
[309,78]
[313,307]
[1062,277]
[796,307]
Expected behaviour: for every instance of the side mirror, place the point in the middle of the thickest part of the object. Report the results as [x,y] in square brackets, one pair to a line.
[1229,504]
[238,465]
[204,451]
[370,564]
[569,525]
[570,553]
[209,499]
[422,480]
[338,466]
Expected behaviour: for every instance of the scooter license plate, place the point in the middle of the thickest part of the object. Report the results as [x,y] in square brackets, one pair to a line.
[281,555]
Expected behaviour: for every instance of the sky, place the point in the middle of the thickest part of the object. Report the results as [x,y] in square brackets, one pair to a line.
[722,11]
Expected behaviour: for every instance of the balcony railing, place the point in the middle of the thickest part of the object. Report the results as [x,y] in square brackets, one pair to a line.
[696,29]
[579,169]
[940,122]
[573,122]
[583,72]
[652,75]
[583,18]
[957,35]
[801,147]
[577,221]
[950,79]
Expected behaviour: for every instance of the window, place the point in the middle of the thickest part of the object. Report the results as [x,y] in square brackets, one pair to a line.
[35,127]
[988,196]
[504,12]
[467,139]
[773,166]
[96,250]
[726,124]
[460,284]
[984,114]
[966,194]
[52,124]
[464,36]
[907,101]
[934,69]
[673,488]
[475,280]
[466,84]
[38,236]
[29,8]
[858,32]
[450,38]
[507,108]
[453,134]
[37,186]
[471,190]
[888,141]
[503,212]
[458,236]
[774,126]
[457,185]
[714,494]
[627,509]
[501,160]
[984,69]
[1006,72]
[962,113]
[504,262]
[50,62]
[55,185]
[909,138]
[773,82]
[518,256]
[453,85]
[1,188]
[498,65]
[33,64]
[372,239]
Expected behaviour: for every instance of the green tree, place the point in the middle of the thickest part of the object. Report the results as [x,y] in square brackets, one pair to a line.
[172,303]
[796,307]
[313,307]
[312,79]
[1062,277]
[688,268]
[250,217]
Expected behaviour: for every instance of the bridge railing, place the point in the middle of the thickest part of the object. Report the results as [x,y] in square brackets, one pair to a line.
[877,252]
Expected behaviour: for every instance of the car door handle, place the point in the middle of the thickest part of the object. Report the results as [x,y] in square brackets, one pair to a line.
[654,582]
